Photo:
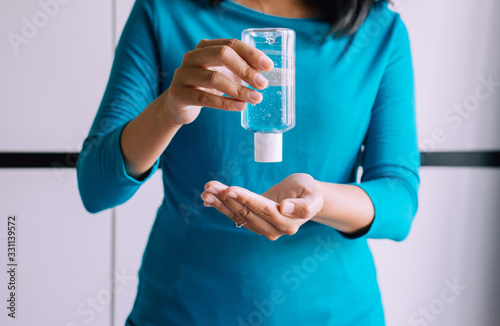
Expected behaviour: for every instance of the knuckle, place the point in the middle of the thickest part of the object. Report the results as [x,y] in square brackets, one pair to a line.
[177,74]
[265,211]
[223,102]
[251,52]
[247,72]
[202,42]
[306,211]
[232,42]
[236,218]
[225,52]
[187,56]
[213,77]
[240,91]
[291,230]
[203,98]
[227,103]
[245,213]
[273,237]
[285,229]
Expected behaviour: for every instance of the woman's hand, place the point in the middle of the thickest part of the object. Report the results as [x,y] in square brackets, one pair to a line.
[214,68]
[280,210]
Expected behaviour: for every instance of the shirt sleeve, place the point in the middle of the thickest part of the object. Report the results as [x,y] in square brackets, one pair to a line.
[391,158]
[102,179]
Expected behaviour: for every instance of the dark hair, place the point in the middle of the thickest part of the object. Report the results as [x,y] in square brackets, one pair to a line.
[346,16]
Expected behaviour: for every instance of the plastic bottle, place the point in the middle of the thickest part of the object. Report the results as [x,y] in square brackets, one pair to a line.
[269,119]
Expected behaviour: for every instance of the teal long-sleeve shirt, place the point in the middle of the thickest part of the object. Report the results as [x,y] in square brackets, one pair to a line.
[352,93]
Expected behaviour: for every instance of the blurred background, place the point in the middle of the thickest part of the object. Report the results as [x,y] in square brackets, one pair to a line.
[75,268]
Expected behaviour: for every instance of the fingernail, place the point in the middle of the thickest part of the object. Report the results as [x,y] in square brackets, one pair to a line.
[255,96]
[260,80]
[288,208]
[212,191]
[239,105]
[220,187]
[232,194]
[209,200]
[265,62]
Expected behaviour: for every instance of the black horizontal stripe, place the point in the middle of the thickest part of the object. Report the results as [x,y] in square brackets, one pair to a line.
[68,160]
[38,160]
[461,159]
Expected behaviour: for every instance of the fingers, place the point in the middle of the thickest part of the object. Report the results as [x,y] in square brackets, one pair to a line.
[190,96]
[240,58]
[213,68]
[254,57]
[256,220]
[192,76]
[261,214]
[300,196]
[305,207]
[300,208]
[210,200]
[267,210]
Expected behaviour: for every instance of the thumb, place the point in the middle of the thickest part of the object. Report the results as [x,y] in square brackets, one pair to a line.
[298,208]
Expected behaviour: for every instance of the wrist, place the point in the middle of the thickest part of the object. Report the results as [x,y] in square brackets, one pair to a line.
[326,195]
[165,112]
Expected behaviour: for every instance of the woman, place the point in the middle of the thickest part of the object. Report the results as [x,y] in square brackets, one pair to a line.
[354,91]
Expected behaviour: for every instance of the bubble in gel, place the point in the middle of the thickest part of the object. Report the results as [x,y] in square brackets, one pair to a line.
[270,40]
[279,93]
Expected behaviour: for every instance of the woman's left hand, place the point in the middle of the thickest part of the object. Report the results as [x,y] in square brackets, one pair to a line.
[280,210]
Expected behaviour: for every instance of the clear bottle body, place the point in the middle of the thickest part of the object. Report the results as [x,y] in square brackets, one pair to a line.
[275,114]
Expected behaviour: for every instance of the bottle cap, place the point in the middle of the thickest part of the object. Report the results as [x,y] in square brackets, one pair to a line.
[268,147]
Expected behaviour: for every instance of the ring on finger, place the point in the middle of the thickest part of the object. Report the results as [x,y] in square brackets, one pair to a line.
[239,225]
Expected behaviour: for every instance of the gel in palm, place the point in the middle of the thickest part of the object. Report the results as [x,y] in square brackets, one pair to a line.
[275,114]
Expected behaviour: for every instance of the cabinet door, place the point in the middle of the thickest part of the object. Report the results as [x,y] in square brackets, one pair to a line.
[62,252]
[55,60]
[446,271]
[455,47]
[134,220]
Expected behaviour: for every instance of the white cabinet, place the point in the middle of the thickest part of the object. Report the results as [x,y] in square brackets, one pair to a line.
[455,47]
[453,244]
[63,252]
[134,220]
[54,60]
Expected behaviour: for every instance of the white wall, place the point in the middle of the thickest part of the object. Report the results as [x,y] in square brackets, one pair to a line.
[453,239]
[53,80]
[454,236]
[454,45]
[62,252]
[51,84]
[50,90]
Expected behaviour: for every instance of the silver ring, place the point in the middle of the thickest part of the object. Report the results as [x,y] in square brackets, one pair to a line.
[239,225]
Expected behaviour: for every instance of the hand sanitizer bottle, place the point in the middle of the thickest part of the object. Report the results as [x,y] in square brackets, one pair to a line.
[269,119]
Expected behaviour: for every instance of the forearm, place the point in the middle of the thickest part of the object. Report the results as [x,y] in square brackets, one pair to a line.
[346,208]
[145,138]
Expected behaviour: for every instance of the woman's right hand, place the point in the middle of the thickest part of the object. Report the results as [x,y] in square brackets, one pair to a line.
[214,68]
